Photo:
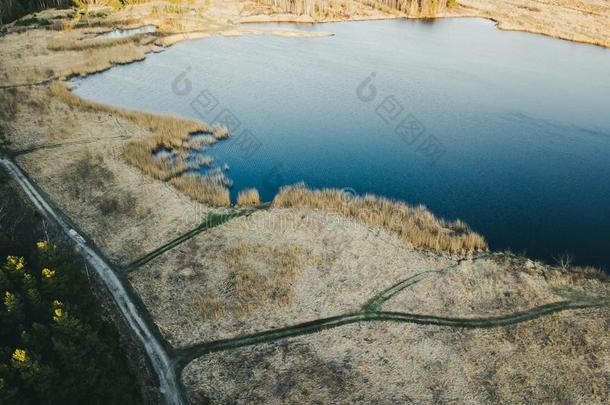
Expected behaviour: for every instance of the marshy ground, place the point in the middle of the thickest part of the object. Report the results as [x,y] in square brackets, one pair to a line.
[307,257]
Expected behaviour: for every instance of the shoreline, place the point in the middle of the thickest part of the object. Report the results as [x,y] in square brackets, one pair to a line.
[157,42]
[290,264]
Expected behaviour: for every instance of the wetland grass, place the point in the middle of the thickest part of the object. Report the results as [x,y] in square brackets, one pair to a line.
[220,132]
[169,133]
[415,225]
[203,189]
[71,42]
[248,197]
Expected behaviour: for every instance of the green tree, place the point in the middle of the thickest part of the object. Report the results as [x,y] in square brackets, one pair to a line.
[54,345]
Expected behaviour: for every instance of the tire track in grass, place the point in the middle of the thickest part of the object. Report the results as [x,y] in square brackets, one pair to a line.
[378,300]
[169,364]
[212,220]
[186,355]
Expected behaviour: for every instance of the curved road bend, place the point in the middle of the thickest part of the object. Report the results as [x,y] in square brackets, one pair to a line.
[168,380]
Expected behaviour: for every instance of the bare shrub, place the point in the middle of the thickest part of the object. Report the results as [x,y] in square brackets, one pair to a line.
[564,261]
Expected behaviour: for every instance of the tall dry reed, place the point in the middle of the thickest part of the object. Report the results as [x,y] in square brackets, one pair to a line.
[169,133]
[248,197]
[202,189]
[315,8]
[415,225]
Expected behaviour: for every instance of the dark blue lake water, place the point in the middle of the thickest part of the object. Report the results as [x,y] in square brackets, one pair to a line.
[508,131]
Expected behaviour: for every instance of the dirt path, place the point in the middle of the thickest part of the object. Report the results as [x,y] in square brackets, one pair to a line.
[188,354]
[212,220]
[169,384]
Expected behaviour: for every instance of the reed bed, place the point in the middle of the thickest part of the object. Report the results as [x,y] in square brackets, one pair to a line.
[416,226]
[203,189]
[100,60]
[316,8]
[201,141]
[68,42]
[169,133]
[220,132]
[203,160]
[248,197]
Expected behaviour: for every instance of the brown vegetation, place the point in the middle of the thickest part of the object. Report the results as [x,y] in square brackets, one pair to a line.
[316,8]
[341,264]
[169,133]
[203,189]
[220,132]
[249,284]
[87,180]
[95,60]
[559,359]
[415,225]
[67,42]
[248,197]
[10,99]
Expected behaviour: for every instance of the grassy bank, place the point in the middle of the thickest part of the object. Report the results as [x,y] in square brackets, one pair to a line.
[176,136]
[415,225]
[248,197]
[173,135]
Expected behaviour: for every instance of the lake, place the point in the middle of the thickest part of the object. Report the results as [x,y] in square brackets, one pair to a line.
[507,131]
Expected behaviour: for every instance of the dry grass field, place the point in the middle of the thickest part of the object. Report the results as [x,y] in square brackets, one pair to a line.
[560,359]
[77,159]
[299,265]
[125,179]
[497,285]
